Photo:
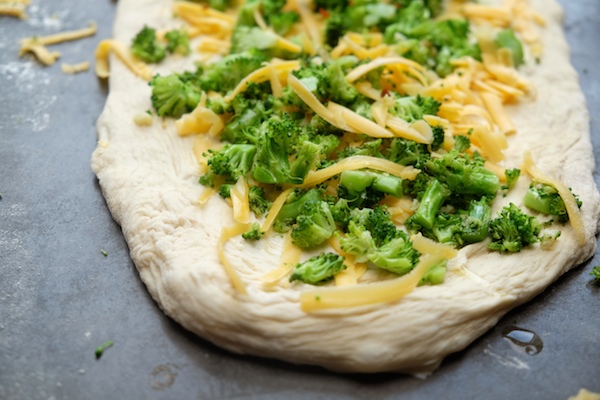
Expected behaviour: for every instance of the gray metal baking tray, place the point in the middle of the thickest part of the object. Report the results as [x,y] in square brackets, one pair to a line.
[60,297]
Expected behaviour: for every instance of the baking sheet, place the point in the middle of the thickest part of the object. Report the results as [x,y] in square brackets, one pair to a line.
[60,297]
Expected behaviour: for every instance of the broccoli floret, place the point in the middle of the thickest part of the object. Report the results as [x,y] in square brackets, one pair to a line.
[506,39]
[232,161]
[225,190]
[314,224]
[513,230]
[438,137]
[318,269]
[254,38]
[464,174]
[291,209]
[358,241]
[462,143]
[366,188]
[512,176]
[272,164]
[335,27]
[434,197]
[172,97]
[224,75]
[431,43]
[369,148]
[243,127]
[396,255]
[407,152]
[435,275]
[220,5]
[178,42]
[145,46]
[412,108]
[595,273]
[463,227]
[373,237]
[254,233]
[341,212]
[258,203]
[379,222]
[545,199]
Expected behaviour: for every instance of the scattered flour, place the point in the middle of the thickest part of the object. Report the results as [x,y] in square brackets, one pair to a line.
[41,17]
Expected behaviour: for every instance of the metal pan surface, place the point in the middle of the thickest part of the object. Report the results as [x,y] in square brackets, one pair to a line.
[61,297]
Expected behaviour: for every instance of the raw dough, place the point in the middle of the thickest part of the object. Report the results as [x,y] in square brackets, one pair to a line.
[149,177]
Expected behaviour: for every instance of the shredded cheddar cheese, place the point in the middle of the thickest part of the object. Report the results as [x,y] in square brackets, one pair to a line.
[226,234]
[107,46]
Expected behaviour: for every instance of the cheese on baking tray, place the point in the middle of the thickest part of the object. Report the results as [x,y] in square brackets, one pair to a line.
[14,8]
[37,44]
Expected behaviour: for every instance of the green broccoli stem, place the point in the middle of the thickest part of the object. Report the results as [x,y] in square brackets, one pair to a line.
[538,200]
[290,211]
[477,221]
[430,204]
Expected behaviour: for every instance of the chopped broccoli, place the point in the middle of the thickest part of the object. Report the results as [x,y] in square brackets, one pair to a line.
[291,209]
[272,164]
[178,42]
[220,5]
[595,273]
[225,74]
[372,236]
[435,275]
[512,230]
[145,46]
[254,38]
[314,224]
[225,190]
[463,174]
[396,255]
[464,226]
[232,161]
[412,108]
[545,199]
[172,97]
[407,152]
[438,137]
[318,269]
[512,176]
[258,203]
[434,197]
[506,39]
[369,148]
[462,143]
[254,233]
[364,188]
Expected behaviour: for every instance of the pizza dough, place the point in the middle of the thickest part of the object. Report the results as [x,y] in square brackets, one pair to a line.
[149,177]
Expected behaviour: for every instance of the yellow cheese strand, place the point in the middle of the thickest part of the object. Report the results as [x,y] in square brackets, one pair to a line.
[359,162]
[275,208]
[102,52]
[290,256]
[226,234]
[240,202]
[565,194]
[380,62]
[262,75]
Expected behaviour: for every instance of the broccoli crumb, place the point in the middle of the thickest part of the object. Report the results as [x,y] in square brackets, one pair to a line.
[595,273]
[100,349]
[104,253]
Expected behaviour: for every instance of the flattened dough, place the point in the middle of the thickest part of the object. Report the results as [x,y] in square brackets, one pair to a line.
[149,177]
